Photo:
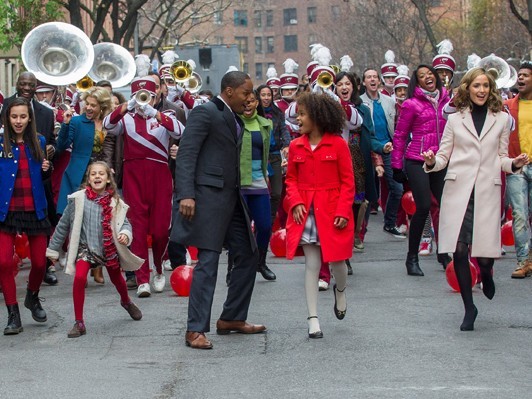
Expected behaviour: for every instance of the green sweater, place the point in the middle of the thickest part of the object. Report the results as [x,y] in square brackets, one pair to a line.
[265,126]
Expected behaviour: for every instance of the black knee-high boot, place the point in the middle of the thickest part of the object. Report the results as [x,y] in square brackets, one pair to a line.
[486,268]
[463,275]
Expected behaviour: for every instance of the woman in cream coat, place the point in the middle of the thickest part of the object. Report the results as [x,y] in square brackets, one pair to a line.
[475,149]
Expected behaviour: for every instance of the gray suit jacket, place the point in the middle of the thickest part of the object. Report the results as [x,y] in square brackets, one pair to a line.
[207,170]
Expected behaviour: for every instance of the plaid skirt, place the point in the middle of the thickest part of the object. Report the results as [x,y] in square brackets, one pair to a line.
[310,234]
[25,222]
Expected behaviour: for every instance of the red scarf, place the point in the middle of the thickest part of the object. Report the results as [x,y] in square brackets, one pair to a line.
[109,247]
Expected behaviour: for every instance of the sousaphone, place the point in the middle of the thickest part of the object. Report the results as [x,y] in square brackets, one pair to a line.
[498,68]
[57,53]
[113,63]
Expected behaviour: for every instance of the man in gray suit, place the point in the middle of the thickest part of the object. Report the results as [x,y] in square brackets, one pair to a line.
[210,211]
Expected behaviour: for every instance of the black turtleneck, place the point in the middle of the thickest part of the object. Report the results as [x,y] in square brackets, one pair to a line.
[479,113]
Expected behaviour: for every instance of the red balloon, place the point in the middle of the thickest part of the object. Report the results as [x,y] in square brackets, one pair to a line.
[181,279]
[408,204]
[451,276]
[278,243]
[193,252]
[507,234]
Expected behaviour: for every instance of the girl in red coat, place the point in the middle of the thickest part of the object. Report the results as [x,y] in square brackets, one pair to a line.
[320,191]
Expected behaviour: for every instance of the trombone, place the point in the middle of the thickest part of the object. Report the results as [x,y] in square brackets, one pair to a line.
[181,71]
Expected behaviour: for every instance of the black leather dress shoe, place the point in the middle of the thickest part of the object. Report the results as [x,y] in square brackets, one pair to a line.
[50,278]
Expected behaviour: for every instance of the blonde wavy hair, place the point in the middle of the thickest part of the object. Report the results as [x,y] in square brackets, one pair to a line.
[462,100]
[103,96]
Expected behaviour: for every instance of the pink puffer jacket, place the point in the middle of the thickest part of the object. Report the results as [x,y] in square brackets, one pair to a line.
[420,120]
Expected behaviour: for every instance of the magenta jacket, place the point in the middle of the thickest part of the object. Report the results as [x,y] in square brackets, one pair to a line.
[419,128]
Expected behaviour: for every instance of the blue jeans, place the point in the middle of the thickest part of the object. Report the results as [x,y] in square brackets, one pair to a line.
[259,208]
[519,192]
[395,192]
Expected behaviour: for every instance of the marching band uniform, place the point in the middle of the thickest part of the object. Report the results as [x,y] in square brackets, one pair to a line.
[146,143]
[290,81]
[389,69]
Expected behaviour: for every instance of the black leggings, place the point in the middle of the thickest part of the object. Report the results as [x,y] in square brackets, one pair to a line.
[422,185]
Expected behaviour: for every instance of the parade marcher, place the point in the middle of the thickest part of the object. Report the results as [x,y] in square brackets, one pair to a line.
[99,231]
[44,119]
[382,109]
[320,188]
[23,207]
[420,128]
[519,185]
[211,212]
[473,151]
[146,134]
[362,142]
[289,86]
[389,73]
[445,64]
[273,82]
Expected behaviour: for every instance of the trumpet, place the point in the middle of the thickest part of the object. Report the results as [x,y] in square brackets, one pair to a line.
[193,84]
[84,83]
[181,71]
[143,97]
[325,80]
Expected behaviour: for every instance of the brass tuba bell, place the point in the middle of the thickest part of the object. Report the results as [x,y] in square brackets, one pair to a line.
[113,63]
[57,53]
[84,84]
[181,71]
[325,80]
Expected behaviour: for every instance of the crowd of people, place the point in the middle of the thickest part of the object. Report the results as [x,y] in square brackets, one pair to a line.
[90,178]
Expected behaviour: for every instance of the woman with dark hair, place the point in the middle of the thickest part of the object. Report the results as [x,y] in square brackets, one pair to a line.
[474,150]
[23,207]
[419,129]
[280,140]
[362,142]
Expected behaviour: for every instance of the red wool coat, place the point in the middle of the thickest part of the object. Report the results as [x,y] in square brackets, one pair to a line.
[323,177]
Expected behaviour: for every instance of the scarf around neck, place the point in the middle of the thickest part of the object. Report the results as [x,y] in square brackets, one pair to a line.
[109,247]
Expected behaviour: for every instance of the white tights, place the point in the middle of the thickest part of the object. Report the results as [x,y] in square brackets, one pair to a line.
[312,271]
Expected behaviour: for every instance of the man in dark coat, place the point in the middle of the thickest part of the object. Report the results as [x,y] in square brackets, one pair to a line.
[211,213]
[44,119]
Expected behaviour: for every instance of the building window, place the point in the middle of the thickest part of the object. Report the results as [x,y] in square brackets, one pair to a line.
[241,17]
[269,44]
[290,43]
[194,20]
[218,40]
[258,71]
[257,17]
[271,64]
[218,17]
[258,45]
[242,43]
[335,11]
[290,16]
[312,38]
[245,67]
[269,18]
[312,15]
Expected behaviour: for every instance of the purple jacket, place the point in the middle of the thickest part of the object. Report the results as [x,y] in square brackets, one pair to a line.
[419,128]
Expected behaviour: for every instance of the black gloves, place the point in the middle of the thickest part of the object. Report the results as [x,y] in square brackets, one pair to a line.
[399,176]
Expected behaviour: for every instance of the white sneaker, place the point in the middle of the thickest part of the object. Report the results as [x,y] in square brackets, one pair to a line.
[425,246]
[158,282]
[167,265]
[144,290]
[323,285]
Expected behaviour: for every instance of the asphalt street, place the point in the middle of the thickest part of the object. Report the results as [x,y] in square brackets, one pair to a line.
[400,339]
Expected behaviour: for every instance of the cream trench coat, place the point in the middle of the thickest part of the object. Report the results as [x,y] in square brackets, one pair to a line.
[473,162]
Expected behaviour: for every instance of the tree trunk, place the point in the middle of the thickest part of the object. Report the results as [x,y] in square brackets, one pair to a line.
[75,13]
[421,7]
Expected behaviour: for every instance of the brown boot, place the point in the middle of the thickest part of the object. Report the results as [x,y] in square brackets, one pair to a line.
[98,275]
[78,330]
[524,269]
[133,310]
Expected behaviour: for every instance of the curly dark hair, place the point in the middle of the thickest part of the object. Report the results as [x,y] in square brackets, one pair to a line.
[327,114]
